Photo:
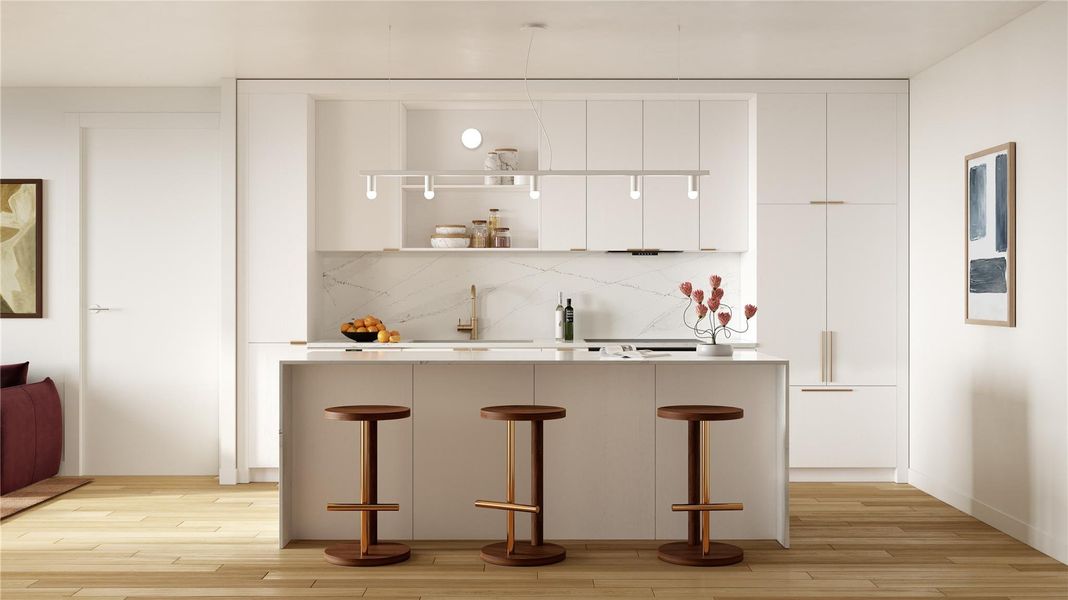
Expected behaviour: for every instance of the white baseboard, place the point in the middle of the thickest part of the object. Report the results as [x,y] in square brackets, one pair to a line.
[1044,542]
[840,475]
[263,474]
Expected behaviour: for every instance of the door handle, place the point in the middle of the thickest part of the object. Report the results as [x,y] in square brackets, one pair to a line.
[96,308]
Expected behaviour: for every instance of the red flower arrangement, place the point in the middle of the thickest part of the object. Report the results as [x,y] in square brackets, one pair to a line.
[715,302]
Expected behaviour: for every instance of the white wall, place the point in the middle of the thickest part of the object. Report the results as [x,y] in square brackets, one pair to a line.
[36,142]
[988,408]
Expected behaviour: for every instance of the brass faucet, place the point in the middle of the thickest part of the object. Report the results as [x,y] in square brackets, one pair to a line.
[472,326]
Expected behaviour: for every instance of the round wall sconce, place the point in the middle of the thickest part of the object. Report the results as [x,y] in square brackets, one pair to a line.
[471,138]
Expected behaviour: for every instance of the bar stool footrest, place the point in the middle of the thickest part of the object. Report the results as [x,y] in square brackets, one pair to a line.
[512,506]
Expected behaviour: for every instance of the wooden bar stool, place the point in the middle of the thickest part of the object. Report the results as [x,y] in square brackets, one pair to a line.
[699,550]
[511,553]
[368,552]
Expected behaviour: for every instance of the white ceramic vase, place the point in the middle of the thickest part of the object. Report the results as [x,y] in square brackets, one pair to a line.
[705,349]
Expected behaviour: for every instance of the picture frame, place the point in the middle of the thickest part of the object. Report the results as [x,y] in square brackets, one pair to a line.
[22,249]
[990,236]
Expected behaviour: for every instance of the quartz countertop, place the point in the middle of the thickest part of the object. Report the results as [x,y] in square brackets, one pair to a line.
[536,344]
[396,355]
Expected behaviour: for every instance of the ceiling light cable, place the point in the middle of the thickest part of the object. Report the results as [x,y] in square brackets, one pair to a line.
[526,86]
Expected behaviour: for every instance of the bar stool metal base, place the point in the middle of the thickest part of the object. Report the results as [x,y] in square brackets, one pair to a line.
[348,554]
[524,555]
[681,553]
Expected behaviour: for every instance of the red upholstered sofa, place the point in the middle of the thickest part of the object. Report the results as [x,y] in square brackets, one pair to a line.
[31,429]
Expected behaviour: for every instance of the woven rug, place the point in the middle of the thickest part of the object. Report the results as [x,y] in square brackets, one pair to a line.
[36,493]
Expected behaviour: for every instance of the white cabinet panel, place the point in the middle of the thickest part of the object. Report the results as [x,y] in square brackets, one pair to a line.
[862,294]
[599,454]
[670,218]
[725,190]
[613,141]
[273,147]
[260,395]
[843,429]
[460,457]
[791,283]
[791,148]
[862,156]
[351,136]
[563,199]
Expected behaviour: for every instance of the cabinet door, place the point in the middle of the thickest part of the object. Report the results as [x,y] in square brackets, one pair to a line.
[273,167]
[670,219]
[725,190]
[862,148]
[862,294]
[350,136]
[613,141]
[260,393]
[791,148]
[843,429]
[791,284]
[563,199]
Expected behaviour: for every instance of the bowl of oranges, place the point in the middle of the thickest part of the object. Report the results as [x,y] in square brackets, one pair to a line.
[369,329]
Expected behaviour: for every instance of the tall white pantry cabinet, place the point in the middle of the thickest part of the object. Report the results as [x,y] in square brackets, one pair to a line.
[831,193]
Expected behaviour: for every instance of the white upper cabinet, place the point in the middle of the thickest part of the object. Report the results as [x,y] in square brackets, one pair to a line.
[350,136]
[861,294]
[792,283]
[274,141]
[862,148]
[791,148]
[725,190]
[563,199]
[671,131]
[613,141]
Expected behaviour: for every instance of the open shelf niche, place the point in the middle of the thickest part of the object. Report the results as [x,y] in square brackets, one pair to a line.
[432,142]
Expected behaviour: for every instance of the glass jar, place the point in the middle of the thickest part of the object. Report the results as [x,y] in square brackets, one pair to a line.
[502,238]
[479,234]
[494,220]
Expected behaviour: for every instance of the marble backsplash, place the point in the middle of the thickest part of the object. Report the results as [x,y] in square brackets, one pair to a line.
[423,294]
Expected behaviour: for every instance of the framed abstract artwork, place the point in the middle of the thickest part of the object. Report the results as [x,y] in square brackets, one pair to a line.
[990,236]
[21,248]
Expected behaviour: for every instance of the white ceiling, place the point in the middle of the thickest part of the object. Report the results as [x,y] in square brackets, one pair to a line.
[196,43]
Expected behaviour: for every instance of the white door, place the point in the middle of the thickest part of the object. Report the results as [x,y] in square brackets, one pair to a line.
[791,148]
[150,194]
[724,192]
[862,148]
[670,220]
[613,142]
[791,283]
[563,199]
[861,294]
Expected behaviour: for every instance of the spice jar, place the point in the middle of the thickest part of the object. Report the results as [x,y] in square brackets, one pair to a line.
[494,220]
[479,234]
[502,238]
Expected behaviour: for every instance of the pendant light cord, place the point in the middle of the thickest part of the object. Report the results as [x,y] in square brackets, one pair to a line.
[526,87]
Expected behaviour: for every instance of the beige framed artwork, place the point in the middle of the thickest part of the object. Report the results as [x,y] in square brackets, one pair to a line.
[20,248]
[990,236]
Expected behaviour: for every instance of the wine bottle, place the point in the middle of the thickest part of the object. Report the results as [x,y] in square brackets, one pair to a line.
[559,319]
[569,322]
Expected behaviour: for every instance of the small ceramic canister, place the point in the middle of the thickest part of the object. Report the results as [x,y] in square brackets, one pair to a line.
[492,163]
[509,161]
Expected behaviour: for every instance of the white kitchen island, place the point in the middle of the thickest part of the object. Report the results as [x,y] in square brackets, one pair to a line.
[612,468]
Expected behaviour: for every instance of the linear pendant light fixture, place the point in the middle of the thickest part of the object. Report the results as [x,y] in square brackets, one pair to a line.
[635,175]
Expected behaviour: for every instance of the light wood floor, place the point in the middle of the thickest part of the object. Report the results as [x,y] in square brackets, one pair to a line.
[187,537]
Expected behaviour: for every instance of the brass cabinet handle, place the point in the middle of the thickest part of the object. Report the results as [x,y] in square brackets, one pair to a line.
[826,201]
[823,389]
[709,249]
[298,342]
[390,249]
[578,249]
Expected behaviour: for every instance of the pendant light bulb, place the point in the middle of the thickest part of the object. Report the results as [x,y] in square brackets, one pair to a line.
[372,187]
[535,187]
[428,187]
[691,187]
[635,192]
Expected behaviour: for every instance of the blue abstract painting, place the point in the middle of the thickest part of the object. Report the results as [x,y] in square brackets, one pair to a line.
[990,210]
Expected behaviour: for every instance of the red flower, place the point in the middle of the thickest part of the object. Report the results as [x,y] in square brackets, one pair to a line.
[718,293]
[715,280]
[724,318]
[686,287]
[702,311]
[750,310]
[698,296]
[713,303]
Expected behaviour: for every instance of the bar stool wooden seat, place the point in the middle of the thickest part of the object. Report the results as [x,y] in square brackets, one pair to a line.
[699,550]
[369,552]
[512,553]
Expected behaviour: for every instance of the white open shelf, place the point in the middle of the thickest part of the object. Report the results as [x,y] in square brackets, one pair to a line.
[489,250]
[471,186]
